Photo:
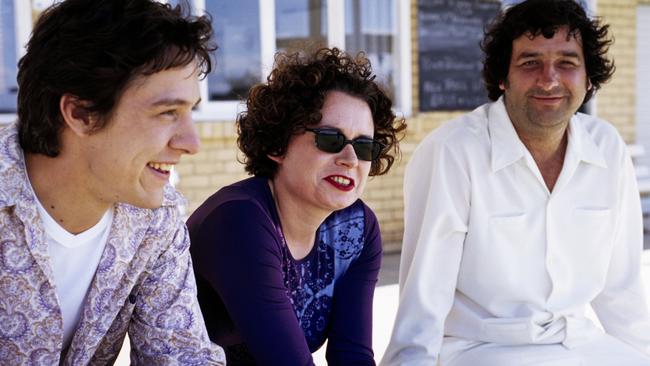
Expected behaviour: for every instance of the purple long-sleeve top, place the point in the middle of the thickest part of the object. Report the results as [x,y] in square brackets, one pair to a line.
[266,308]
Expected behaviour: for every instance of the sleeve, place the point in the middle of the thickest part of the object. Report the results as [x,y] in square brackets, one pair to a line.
[436,208]
[622,306]
[236,251]
[350,336]
[167,327]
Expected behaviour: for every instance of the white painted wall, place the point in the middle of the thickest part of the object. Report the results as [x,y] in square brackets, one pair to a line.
[643,81]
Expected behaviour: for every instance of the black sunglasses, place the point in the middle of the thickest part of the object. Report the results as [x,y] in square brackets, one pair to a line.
[333,141]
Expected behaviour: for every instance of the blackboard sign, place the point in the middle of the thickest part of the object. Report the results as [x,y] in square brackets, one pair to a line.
[450,59]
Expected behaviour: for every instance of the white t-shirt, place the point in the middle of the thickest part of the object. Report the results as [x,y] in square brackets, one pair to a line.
[74,260]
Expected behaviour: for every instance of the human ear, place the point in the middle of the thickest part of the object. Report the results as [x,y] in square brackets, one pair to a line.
[277,159]
[503,85]
[76,115]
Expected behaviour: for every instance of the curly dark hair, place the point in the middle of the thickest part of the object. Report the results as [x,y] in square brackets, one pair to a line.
[545,17]
[93,49]
[292,98]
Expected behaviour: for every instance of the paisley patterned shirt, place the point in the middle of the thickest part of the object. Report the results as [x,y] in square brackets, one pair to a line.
[144,285]
[267,308]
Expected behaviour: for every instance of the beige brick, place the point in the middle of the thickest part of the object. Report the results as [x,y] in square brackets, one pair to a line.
[194,181]
[184,168]
[206,168]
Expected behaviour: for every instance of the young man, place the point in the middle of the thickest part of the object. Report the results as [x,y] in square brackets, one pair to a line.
[523,213]
[91,242]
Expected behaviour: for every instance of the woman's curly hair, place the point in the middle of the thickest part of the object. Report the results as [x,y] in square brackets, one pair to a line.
[545,17]
[292,98]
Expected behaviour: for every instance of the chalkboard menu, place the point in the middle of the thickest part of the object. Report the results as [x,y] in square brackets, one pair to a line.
[450,59]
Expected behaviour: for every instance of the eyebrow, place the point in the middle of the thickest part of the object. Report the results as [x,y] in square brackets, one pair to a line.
[570,54]
[174,102]
[532,54]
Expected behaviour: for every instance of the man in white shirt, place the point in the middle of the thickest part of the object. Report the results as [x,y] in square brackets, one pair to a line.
[92,244]
[522,213]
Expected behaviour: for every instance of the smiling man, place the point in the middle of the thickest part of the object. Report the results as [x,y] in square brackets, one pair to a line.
[523,213]
[92,245]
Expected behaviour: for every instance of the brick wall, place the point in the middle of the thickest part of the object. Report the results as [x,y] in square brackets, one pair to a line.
[616,99]
[216,165]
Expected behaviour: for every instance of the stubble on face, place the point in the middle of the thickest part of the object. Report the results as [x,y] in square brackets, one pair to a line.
[546,82]
[536,116]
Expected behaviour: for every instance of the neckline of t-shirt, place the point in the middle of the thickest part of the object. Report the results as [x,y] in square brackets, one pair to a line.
[66,238]
[309,255]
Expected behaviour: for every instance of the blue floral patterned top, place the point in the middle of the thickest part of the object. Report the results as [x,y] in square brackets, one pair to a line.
[263,306]
[310,282]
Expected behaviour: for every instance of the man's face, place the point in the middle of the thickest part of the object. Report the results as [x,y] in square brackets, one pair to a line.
[150,128]
[546,82]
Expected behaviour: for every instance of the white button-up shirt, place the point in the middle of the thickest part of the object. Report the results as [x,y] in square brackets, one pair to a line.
[490,255]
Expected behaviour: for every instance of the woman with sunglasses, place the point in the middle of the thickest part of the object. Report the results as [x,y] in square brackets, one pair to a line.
[289,258]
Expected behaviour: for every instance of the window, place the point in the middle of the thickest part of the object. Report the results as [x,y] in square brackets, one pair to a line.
[370,27]
[181,2]
[300,24]
[238,56]
[250,32]
[15,25]
[8,57]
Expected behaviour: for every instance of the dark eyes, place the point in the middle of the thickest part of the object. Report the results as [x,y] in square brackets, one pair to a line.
[172,113]
[530,63]
[563,63]
[569,63]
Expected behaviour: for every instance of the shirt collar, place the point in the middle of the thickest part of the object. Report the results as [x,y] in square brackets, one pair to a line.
[507,148]
[12,168]
[582,143]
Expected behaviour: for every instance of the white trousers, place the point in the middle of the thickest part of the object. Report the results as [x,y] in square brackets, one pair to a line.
[604,350]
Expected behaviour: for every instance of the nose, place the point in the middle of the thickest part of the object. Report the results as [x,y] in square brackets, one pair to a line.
[347,157]
[186,138]
[548,78]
